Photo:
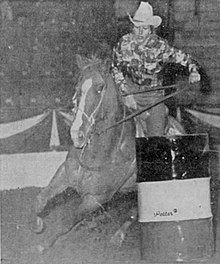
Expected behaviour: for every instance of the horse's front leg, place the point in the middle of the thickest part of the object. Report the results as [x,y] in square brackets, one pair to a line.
[81,208]
[120,234]
[57,185]
[65,176]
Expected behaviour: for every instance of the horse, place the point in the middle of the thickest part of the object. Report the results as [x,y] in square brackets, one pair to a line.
[101,162]
[97,165]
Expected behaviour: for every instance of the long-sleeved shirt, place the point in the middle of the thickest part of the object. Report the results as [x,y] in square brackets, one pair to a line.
[142,62]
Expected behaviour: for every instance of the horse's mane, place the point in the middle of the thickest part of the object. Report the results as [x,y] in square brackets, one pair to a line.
[92,61]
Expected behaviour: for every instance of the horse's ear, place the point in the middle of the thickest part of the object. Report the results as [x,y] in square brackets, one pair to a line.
[79,61]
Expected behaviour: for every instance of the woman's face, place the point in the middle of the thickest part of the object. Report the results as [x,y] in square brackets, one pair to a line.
[141,32]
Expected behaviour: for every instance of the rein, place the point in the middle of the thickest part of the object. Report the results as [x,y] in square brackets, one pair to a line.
[139,112]
[94,168]
[99,168]
[91,120]
[158,88]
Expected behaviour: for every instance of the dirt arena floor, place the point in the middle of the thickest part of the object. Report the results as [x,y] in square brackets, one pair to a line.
[88,243]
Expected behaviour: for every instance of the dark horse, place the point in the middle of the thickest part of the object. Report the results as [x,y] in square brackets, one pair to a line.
[98,164]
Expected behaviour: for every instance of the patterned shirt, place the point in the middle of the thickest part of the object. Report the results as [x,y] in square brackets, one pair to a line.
[142,62]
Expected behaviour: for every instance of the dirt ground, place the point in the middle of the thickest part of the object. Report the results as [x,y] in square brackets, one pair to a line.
[88,243]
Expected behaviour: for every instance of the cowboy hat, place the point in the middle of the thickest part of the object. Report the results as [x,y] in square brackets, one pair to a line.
[144,16]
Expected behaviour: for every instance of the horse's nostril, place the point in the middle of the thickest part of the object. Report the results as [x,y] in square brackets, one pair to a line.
[80,135]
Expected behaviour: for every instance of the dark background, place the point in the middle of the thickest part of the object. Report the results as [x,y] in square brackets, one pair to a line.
[38,43]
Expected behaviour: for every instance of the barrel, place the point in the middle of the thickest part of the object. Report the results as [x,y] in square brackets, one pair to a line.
[174,204]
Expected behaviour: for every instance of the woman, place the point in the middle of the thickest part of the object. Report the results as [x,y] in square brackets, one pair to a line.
[138,61]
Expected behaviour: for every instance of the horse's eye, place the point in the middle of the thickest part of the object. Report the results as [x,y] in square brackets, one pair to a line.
[100,88]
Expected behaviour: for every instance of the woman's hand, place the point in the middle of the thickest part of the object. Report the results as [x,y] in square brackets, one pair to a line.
[194,77]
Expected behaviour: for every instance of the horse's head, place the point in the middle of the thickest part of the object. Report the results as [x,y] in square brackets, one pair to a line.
[90,93]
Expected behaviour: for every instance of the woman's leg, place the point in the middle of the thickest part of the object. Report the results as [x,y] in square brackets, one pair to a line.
[156,121]
[154,118]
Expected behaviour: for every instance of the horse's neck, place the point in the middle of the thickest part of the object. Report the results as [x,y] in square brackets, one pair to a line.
[118,144]
[102,147]
[107,141]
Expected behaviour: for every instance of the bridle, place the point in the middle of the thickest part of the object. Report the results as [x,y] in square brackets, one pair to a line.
[151,89]
[89,131]
[139,112]
[92,119]
[96,168]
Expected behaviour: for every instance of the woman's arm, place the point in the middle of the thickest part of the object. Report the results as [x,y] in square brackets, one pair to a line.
[174,55]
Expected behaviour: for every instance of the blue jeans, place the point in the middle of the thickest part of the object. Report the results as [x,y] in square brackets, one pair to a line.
[154,120]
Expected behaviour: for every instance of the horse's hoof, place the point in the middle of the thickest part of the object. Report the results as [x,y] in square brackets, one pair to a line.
[37,249]
[39,204]
[41,249]
[38,226]
[118,238]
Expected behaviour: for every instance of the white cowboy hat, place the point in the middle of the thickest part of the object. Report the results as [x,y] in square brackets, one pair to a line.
[144,16]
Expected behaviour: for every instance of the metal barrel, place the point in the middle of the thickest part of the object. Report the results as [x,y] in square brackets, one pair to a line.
[174,205]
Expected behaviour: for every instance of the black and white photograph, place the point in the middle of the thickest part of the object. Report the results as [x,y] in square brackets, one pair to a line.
[109,131]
